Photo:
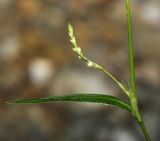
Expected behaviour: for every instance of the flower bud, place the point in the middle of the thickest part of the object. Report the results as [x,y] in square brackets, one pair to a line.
[90,64]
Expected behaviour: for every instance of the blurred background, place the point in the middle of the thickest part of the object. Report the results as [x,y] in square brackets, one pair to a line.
[36,60]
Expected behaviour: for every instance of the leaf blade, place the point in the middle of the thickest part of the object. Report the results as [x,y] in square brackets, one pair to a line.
[94,98]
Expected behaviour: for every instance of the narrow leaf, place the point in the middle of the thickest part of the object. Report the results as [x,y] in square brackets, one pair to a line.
[94,98]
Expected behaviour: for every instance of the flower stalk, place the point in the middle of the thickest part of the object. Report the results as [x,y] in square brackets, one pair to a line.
[92,64]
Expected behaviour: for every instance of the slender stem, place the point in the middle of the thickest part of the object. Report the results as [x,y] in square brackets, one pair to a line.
[144,131]
[120,85]
[131,50]
[137,115]
[133,100]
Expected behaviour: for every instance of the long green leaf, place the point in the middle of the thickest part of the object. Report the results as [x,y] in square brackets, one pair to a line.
[94,98]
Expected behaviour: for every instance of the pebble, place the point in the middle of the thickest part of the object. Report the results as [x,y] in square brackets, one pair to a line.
[40,71]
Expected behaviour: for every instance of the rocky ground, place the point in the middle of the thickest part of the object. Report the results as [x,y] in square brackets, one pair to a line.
[36,60]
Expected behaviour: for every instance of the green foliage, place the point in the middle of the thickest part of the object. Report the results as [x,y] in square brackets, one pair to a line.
[94,98]
[98,98]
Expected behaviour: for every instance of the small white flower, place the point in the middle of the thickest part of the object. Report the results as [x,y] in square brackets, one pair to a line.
[70,30]
[73,40]
[77,50]
[74,49]
[90,64]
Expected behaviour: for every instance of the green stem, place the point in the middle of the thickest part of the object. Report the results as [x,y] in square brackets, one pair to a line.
[137,115]
[133,99]
[131,50]
[144,131]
